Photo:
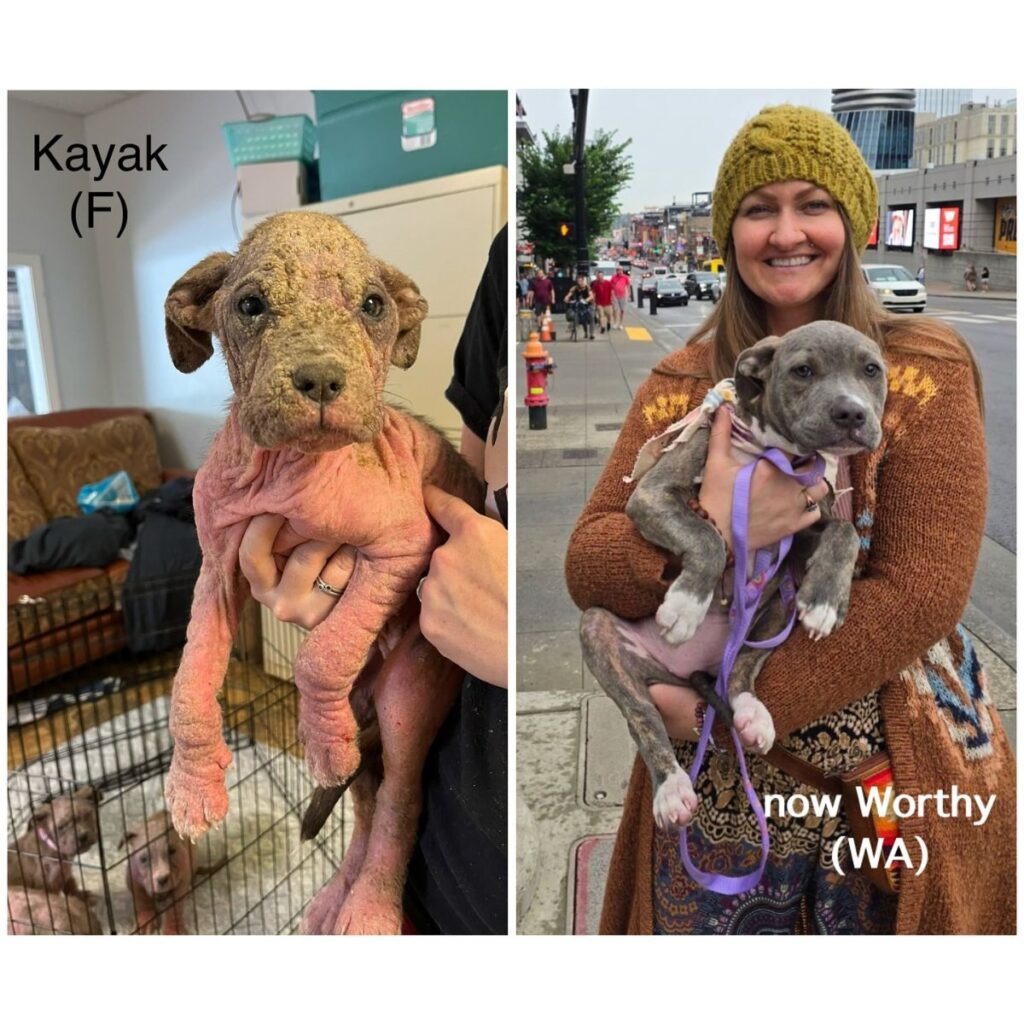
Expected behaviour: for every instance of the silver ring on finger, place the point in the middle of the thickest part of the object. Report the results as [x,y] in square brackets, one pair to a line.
[324,587]
[419,588]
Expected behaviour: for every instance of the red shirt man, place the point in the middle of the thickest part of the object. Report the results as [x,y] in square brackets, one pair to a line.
[602,289]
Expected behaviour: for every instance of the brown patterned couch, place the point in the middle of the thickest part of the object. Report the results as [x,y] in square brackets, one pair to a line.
[60,620]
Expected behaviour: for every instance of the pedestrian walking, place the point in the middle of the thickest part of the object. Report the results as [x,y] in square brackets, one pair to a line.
[541,295]
[984,279]
[971,278]
[620,296]
[524,288]
[602,289]
[794,204]
[920,274]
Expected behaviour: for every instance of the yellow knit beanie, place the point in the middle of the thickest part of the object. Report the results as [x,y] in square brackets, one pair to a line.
[788,143]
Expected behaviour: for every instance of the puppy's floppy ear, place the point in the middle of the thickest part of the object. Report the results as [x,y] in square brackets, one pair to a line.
[753,367]
[412,311]
[188,312]
[127,838]
[86,793]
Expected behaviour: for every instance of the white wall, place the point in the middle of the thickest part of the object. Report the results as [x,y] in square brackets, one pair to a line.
[39,223]
[175,219]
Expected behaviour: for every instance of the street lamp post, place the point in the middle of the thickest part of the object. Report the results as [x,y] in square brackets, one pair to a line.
[579,105]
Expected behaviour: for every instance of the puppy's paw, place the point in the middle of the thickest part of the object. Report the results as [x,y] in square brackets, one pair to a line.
[819,619]
[369,911]
[331,762]
[322,913]
[675,801]
[680,614]
[196,797]
[753,722]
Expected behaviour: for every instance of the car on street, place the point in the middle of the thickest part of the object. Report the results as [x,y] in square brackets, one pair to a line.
[607,267]
[702,284]
[671,291]
[895,286]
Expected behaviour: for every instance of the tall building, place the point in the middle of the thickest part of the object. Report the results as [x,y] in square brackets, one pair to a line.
[942,102]
[974,132]
[881,122]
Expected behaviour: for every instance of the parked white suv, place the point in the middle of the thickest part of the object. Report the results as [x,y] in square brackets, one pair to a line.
[895,286]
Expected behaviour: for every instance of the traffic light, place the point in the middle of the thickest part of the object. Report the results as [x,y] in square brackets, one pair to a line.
[565,230]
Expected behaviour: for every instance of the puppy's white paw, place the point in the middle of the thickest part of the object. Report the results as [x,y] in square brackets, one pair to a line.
[818,619]
[675,802]
[680,614]
[753,722]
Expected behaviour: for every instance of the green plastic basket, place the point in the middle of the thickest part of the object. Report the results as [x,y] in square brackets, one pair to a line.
[278,138]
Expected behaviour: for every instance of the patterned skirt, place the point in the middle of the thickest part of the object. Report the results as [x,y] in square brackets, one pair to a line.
[800,892]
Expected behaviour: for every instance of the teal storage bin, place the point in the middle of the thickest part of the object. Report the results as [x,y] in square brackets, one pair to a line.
[367,143]
[264,142]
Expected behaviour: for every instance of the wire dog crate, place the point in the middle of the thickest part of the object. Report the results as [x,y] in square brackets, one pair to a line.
[98,732]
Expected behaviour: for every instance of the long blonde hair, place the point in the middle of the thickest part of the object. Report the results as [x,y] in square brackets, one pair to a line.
[741,319]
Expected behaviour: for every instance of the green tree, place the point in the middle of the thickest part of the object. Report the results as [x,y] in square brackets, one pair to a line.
[545,196]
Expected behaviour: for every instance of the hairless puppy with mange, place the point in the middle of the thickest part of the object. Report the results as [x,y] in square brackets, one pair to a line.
[309,324]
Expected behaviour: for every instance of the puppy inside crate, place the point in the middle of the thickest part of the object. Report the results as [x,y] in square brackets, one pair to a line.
[255,876]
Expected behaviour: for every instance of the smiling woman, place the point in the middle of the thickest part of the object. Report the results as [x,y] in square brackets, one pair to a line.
[788,240]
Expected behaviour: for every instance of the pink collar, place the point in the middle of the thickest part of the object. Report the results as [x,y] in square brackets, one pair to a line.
[44,835]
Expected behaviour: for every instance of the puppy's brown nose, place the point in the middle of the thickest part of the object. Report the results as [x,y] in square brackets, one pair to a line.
[162,881]
[320,382]
[847,413]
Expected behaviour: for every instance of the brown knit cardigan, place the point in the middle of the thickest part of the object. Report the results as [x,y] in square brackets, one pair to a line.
[919,506]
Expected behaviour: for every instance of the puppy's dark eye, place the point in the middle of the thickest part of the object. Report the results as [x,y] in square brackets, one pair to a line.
[251,305]
[373,306]
[144,857]
[872,369]
[803,370]
[172,850]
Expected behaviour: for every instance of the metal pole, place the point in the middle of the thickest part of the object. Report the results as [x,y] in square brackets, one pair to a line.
[579,102]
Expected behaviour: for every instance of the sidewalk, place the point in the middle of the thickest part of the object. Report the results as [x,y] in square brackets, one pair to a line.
[573,752]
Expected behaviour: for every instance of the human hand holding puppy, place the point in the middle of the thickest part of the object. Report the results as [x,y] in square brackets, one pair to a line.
[778,506]
[464,596]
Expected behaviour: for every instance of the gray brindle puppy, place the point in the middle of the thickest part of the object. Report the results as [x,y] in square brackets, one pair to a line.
[819,388]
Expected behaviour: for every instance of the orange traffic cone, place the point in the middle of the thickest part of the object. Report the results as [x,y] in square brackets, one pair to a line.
[545,329]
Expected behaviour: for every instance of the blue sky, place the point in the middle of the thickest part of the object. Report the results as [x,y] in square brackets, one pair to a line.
[678,136]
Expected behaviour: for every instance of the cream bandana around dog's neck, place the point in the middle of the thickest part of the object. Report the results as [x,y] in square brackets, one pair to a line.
[745,438]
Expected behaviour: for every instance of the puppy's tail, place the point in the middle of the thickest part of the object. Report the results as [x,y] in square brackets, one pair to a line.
[704,684]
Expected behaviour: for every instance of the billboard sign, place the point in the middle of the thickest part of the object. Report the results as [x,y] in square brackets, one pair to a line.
[899,228]
[1006,225]
[942,228]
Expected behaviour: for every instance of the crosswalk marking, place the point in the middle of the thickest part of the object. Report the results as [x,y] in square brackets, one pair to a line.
[966,316]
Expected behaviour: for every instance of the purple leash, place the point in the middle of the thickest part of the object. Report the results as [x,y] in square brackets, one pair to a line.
[746,596]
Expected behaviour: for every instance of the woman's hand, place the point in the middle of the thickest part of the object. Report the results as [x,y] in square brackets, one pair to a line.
[778,503]
[282,568]
[464,595]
